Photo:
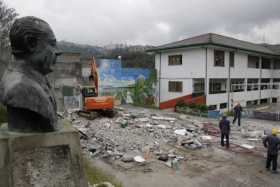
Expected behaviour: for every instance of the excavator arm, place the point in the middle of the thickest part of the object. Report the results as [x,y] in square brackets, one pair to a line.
[94,75]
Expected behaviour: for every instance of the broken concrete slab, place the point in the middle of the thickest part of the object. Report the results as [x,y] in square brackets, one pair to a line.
[139,159]
[127,158]
[163,118]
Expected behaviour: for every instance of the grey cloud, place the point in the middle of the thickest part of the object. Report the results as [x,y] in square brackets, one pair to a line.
[101,22]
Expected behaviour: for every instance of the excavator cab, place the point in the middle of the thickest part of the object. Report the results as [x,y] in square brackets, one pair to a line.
[89,92]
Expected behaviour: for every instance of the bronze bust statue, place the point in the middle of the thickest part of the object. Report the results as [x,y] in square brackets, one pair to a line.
[25,90]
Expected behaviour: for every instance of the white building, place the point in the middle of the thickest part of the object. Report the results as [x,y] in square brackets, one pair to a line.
[218,71]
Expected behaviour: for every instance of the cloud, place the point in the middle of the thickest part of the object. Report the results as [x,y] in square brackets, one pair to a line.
[163,27]
[101,22]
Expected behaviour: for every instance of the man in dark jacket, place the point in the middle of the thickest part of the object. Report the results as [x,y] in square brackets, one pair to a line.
[272,143]
[225,130]
[237,114]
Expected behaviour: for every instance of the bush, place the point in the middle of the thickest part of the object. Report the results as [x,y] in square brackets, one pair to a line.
[192,105]
[3,114]
[181,103]
[229,113]
[202,107]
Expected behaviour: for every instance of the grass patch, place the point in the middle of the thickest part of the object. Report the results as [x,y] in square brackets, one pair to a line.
[96,175]
[3,114]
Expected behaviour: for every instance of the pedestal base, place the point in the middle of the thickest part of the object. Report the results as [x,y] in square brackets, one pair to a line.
[41,159]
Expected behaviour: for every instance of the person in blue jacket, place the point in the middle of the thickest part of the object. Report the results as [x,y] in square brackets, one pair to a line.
[237,114]
[224,126]
[272,143]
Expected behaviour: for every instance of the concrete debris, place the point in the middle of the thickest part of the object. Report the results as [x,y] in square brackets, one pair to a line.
[206,138]
[103,184]
[162,126]
[252,134]
[181,132]
[133,132]
[247,146]
[127,158]
[143,119]
[139,159]
[164,118]
[163,157]
[254,139]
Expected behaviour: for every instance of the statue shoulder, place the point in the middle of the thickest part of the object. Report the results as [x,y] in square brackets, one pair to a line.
[22,92]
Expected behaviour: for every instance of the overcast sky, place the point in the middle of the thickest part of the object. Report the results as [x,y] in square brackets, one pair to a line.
[154,22]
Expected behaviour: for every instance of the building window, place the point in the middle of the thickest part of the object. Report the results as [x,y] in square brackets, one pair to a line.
[252,103]
[274,99]
[264,101]
[217,86]
[249,103]
[265,84]
[236,85]
[212,107]
[276,64]
[219,58]
[175,86]
[223,105]
[175,60]
[252,84]
[253,61]
[231,59]
[276,83]
[266,63]
[198,87]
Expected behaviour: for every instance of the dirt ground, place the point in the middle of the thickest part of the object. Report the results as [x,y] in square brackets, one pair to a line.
[211,166]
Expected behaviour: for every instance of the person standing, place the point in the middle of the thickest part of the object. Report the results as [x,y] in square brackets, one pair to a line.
[237,114]
[225,130]
[272,143]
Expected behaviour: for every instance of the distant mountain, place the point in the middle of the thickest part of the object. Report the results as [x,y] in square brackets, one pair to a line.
[131,55]
[85,50]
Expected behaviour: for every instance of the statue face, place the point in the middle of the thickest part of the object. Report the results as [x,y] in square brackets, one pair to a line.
[45,52]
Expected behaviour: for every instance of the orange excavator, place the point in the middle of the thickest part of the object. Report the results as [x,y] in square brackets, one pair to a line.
[93,104]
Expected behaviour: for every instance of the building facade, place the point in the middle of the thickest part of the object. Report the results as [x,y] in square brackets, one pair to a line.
[218,71]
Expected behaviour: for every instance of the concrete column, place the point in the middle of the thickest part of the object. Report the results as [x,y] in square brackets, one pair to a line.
[206,80]
[245,85]
[260,78]
[271,90]
[228,83]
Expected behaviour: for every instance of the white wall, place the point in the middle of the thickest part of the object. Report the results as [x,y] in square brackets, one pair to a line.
[241,70]
[194,66]
[215,71]
[276,73]
[166,95]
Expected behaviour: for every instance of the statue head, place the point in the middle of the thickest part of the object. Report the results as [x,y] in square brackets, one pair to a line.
[33,41]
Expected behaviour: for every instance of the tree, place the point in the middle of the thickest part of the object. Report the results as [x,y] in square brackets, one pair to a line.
[7,16]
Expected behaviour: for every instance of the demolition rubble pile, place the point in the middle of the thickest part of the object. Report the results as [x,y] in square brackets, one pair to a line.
[138,132]
[135,133]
